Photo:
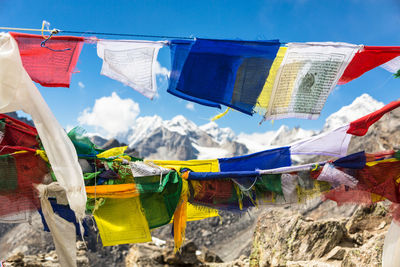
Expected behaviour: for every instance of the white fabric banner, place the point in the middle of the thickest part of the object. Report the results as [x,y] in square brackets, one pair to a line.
[333,143]
[336,177]
[143,169]
[391,246]
[18,92]
[308,73]
[62,231]
[131,62]
[393,65]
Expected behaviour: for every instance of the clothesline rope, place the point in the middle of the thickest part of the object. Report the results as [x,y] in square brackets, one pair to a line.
[105,33]
[98,33]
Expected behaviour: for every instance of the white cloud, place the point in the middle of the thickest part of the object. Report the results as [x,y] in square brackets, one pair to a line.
[162,74]
[111,114]
[81,85]
[190,106]
[160,70]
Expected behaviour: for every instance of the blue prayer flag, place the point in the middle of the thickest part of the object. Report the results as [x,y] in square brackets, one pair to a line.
[232,73]
[263,160]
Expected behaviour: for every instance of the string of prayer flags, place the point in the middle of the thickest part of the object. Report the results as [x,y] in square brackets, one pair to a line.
[131,62]
[52,65]
[368,58]
[231,73]
[306,76]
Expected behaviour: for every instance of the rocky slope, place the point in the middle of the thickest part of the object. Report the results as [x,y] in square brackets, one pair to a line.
[289,238]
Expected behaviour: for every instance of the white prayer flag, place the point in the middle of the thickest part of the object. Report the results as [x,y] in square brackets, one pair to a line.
[306,76]
[131,62]
[333,143]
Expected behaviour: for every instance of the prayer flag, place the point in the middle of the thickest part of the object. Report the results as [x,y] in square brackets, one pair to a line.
[122,221]
[360,127]
[131,62]
[263,160]
[336,177]
[307,74]
[209,165]
[231,73]
[353,161]
[333,143]
[368,58]
[179,52]
[51,66]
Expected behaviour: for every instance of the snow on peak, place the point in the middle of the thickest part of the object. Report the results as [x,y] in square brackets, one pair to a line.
[281,137]
[360,107]
[220,135]
[180,125]
[143,127]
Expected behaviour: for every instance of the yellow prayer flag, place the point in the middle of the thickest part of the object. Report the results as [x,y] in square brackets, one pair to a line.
[208,165]
[121,221]
[114,152]
[265,95]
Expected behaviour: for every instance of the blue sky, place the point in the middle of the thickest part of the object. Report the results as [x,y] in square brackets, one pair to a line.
[355,21]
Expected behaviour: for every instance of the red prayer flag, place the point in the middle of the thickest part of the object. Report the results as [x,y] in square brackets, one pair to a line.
[367,59]
[47,67]
[360,127]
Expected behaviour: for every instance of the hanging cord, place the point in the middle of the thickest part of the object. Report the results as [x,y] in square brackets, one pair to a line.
[24,29]
[52,32]
[97,33]
[111,34]
[127,35]
[43,43]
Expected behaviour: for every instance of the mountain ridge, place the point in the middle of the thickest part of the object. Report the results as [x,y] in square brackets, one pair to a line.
[181,139]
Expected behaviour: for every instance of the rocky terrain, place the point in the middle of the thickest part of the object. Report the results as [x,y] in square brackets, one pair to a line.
[327,236]
[316,234]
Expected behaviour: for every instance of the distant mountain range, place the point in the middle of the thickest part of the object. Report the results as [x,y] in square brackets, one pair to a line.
[182,139]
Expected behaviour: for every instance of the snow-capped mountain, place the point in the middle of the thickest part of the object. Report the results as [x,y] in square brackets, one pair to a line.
[361,106]
[180,138]
[283,136]
[220,135]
